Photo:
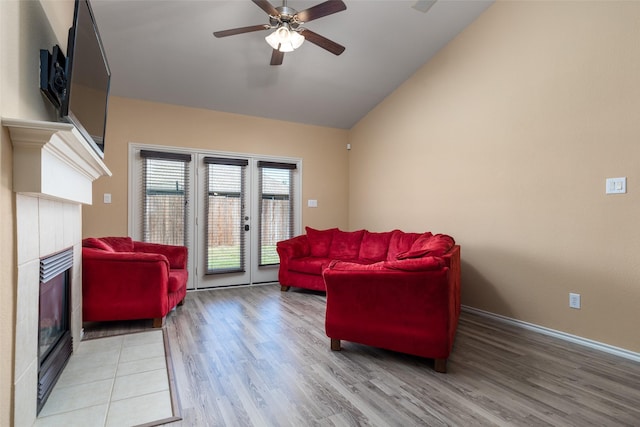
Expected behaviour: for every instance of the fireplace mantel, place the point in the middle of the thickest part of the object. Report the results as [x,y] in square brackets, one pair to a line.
[53,160]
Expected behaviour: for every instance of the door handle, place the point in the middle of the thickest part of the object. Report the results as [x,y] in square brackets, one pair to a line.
[246,227]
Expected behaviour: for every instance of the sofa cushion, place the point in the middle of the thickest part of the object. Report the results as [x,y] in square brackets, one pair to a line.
[416,264]
[92,242]
[401,242]
[320,241]
[436,245]
[119,244]
[177,280]
[345,244]
[350,266]
[309,265]
[374,246]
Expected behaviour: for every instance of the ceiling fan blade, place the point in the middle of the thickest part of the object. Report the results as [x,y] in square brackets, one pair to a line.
[323,9]
[267,7]
[323,42]
[241,30]
[277,57]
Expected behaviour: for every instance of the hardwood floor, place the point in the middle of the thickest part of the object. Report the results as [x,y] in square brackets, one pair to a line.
[259,357]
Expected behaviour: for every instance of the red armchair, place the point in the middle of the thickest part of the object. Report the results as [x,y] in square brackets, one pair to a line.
[123,279]
[410,306]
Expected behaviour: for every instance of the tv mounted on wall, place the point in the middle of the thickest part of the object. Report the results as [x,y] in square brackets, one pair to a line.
[81,93]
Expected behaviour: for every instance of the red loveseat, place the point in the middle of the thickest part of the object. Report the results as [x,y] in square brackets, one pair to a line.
[123,279]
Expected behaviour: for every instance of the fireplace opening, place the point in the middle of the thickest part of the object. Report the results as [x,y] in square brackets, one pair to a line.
[54,321]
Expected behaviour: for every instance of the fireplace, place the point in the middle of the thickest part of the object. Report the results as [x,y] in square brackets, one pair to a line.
[54,321]
[53,170]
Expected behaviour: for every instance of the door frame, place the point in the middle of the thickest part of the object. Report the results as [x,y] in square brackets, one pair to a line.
[133,209]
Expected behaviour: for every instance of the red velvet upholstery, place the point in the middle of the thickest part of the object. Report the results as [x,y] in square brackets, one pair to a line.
[320,241]
[413,310]
[428,244]
[345,245]
[401,242]
[303,258]
[123,279]
[374,246]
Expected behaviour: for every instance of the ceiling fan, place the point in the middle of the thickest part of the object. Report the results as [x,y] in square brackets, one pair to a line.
[289,33]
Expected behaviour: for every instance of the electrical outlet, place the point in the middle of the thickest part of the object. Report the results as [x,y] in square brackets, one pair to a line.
[574,300]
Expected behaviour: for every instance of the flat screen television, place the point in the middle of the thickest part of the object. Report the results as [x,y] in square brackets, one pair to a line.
[88,78]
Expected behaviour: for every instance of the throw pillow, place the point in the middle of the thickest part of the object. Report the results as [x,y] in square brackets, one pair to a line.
[401,242]
[345,244]
[436,245]
[119,244]
[374,246]
[320,241]
[92,242]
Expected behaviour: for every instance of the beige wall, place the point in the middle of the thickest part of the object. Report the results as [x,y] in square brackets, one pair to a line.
[504,141]
[7,275]
[25,28]
[7,255]
[322,150]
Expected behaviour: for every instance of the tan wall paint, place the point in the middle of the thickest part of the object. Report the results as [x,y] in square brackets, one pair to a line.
[7,274]
[7,253]
[504,141]
[322,150]
[25,27]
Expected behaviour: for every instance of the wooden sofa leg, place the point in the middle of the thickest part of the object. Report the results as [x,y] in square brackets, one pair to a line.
[335,345]
[284,288]
[158,322]
[181,303]
[440,365]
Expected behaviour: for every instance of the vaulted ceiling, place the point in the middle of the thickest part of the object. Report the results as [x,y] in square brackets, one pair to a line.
[164,51]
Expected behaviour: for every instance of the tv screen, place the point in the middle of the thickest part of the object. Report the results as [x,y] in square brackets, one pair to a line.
[88,78]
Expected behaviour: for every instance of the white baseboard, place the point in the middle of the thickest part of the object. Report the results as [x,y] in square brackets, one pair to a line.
[558,334]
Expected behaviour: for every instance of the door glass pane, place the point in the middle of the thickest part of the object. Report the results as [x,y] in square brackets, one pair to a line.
[165,190]
[276,211]
[225,218]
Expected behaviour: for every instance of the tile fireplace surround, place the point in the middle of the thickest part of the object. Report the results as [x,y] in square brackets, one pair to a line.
[53,172]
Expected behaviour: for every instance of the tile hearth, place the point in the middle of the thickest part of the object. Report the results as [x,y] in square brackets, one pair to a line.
[114,381]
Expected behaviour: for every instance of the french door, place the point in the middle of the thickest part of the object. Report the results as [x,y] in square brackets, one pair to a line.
[229,210]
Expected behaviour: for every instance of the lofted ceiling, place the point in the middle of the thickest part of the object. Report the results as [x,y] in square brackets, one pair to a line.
[164,51]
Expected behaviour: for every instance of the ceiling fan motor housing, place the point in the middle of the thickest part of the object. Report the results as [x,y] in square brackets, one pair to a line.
[286,15]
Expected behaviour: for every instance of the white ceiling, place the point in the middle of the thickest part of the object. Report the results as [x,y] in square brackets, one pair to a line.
[164,51]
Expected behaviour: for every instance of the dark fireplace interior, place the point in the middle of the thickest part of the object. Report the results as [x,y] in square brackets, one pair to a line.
[54,334]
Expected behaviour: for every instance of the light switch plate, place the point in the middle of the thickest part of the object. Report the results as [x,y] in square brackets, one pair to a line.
[574,300]
[616,185]
[107,198]
[312,203]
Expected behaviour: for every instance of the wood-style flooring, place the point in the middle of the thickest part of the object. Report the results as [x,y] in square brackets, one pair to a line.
[255,356]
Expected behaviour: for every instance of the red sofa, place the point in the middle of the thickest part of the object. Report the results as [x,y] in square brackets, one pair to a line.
[303,258]
[393,290]
[123,279]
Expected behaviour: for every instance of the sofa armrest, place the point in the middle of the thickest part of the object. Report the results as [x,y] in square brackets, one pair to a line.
[452,261]
[296,247]
[176,255]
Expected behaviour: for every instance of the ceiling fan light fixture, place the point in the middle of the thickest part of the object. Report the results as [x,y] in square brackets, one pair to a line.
[273,40]
[296,39]
[284,40]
